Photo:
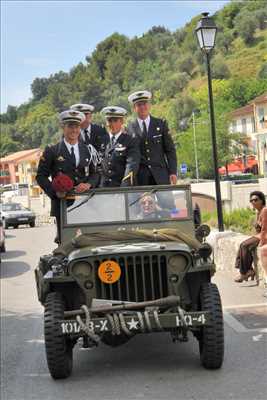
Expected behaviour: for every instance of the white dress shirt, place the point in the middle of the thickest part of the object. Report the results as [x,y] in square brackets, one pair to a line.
[76,150]
[147,122]
[116,136]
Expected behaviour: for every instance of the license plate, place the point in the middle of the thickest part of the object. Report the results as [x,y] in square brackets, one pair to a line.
[23,219]
[101,325]
[191,320]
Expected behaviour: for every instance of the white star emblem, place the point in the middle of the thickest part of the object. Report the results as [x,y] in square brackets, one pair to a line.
[132,324]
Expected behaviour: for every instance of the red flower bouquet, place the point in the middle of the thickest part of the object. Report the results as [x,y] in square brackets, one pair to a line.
[62,183]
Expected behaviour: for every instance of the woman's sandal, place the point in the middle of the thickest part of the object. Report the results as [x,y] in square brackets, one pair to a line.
[244,277]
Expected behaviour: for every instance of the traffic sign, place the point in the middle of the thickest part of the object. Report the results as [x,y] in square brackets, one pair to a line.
[183,168]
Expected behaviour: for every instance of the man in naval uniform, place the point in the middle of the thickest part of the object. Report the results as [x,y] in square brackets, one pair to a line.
[158,165]
[70,157]
[120,151]
[90,133]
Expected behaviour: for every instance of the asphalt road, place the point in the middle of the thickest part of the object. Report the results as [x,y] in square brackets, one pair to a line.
[147,367]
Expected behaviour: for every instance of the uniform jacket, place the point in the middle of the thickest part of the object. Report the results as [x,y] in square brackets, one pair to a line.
[55,159]
[96,136]
[157,149]
[119,162]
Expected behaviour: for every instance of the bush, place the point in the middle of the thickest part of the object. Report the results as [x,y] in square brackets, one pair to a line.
[239,220]
[262,74]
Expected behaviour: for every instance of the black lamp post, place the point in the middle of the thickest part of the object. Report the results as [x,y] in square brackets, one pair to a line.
[206,34]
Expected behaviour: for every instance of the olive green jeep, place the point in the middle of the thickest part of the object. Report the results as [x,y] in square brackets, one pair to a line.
[131,261]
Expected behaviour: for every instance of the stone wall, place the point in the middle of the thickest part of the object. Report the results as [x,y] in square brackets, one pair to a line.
[225,246]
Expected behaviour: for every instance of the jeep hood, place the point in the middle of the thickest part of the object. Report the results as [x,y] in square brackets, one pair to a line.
[125,248]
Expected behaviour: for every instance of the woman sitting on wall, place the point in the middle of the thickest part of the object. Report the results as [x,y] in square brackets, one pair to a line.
[244,257]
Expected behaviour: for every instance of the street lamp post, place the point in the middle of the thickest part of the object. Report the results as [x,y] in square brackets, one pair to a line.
[195,143]
[206,33]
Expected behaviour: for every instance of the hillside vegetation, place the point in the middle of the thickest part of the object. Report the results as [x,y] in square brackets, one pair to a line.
[172,67]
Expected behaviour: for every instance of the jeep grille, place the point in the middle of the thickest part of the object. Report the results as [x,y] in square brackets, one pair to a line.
[142,278]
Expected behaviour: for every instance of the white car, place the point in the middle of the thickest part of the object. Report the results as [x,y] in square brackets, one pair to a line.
[14,214]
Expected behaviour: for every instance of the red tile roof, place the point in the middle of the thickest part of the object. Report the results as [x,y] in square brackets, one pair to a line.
[260,99]
[22,155]
[248,109]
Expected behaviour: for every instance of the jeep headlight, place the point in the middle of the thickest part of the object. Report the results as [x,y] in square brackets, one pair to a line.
[205,250]
[177,263]
[82,269]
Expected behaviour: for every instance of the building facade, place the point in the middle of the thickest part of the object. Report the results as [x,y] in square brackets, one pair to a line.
[21,167]
[251,122]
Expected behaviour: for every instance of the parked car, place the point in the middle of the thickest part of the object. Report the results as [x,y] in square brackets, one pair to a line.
[138,265]
[14,214]
[2,238]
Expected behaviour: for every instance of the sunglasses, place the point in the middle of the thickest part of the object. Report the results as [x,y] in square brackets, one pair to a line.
[254,200]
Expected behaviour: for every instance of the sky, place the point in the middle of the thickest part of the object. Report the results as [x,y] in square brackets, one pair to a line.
[39,38]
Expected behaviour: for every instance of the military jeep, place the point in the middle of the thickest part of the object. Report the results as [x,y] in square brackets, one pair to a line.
[131,261]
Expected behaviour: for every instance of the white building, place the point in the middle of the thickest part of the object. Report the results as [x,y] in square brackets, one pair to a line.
[251,121]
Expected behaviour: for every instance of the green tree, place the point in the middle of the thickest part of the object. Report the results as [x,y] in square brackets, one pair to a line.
[186,65]
[219,68]
[245,27]
[113,43]
[39,88]
[174,84]
[224,40]
[7,144]
[10,116]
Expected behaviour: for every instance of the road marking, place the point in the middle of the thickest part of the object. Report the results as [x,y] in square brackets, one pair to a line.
[44,375]
[257,338]
[35,341]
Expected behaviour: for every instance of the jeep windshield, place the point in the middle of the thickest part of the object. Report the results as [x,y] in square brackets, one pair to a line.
[127,206]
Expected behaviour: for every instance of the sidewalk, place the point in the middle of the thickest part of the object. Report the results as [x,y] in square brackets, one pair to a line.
[232,293]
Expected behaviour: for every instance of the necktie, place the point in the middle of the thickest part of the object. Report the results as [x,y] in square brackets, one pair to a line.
[144,129]
[86,136]
[72,156]
[113,141]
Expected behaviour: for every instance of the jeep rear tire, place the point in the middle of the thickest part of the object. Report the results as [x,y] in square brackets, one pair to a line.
[211,338]
[58,348]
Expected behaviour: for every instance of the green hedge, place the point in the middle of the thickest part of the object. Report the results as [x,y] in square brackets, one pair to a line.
[239,220]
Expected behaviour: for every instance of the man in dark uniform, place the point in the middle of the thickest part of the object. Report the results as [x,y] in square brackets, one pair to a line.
[158,164]
[90,133]
[69,157]
[119,151]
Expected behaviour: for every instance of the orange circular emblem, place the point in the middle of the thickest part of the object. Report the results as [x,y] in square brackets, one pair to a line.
[109,271]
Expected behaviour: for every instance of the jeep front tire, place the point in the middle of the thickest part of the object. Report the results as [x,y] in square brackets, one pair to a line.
[58,348]
[211,338]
